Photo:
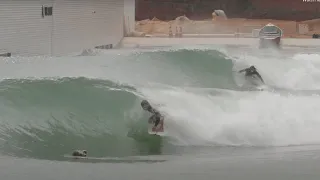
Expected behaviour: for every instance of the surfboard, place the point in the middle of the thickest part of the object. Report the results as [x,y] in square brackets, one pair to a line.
[255,80]
[159,130]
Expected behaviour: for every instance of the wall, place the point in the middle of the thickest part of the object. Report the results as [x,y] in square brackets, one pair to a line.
[23,30]
[129,16]
[74,25]
[303,28]
[83,24]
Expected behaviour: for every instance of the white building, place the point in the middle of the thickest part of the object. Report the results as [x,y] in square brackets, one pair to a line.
[61,27]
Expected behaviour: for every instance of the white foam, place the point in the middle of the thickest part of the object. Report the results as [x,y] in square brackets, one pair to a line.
[298,71]
[259,118]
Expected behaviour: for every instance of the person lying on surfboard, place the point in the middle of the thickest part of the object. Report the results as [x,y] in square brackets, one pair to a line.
[79,153]
[156,117]
[250,72]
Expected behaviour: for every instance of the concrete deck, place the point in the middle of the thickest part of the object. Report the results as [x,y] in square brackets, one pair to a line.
[165,41]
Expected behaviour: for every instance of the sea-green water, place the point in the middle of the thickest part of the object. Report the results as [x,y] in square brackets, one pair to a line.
[217,125]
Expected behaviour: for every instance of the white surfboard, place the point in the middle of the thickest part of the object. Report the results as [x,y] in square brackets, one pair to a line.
[159,130]
[262,87]
[255,80]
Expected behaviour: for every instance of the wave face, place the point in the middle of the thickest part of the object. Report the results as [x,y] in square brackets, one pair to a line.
[54,117]
[52,106]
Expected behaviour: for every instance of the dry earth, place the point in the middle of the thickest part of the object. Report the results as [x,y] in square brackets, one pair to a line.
[219,26]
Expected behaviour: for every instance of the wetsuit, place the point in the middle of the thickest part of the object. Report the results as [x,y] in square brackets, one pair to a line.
[156,116]
[249,72]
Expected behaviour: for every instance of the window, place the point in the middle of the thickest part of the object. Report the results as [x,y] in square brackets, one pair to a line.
[271,29]
[46,11]
[107,46]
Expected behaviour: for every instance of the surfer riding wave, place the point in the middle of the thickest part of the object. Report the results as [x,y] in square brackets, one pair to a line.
[250,72]
[156,117]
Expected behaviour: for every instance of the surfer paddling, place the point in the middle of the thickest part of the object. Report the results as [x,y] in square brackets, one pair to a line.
[250,72]
[156,117]
[79,153]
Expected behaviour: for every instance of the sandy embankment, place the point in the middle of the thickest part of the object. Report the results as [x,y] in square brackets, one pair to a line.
[225,26]
[214,31]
